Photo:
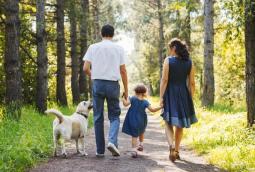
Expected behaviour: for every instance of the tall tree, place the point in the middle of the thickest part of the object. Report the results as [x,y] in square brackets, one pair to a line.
[83,46]
[208,84]
[61,53]
[190,6]
[12,62]
[187,25]
[176,33]
[74,55]
[250,59]
[42,60]
[95,4]
[161,35]
[89,38]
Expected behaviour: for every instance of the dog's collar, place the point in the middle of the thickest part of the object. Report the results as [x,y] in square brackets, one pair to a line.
[83,114]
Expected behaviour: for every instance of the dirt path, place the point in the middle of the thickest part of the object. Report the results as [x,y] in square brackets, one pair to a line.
[154,158]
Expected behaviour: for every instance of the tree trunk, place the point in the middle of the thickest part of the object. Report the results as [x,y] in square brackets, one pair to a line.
[149,77]
[161,36]
[187,26]
[84,46]
[208,84]
[178,26]
[42,60]
[74,56]
[89,33]
[96,20]
[61,86]
[250,59]
[12,61]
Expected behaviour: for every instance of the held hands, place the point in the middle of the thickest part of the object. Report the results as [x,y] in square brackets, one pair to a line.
[125,95]
[125,99]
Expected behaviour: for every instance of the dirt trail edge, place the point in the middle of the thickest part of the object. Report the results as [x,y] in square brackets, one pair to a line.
[154,157]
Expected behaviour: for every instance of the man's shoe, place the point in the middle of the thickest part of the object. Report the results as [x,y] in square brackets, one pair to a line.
[98,155]
[113,149]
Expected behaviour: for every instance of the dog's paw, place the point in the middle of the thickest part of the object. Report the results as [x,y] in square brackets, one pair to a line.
[55,154]
[64,155]
[78,152]
[84,154]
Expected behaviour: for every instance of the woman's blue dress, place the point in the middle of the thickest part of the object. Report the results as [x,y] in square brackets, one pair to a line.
[178,104]
[136,118]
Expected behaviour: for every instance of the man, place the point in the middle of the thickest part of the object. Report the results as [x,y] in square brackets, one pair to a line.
[106,60]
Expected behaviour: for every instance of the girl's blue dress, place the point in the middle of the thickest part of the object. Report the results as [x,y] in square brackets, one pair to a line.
[136,118]
[178,105]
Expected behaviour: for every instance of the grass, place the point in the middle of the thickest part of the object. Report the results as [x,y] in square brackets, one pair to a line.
[29,141]
[222,137]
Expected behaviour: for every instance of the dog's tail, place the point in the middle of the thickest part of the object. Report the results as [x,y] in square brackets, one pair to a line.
[57,113]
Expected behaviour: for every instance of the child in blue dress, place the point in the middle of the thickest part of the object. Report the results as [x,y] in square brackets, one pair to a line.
[136,117]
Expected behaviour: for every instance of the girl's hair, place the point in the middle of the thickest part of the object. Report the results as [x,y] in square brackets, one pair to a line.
[181,48]
[140,89]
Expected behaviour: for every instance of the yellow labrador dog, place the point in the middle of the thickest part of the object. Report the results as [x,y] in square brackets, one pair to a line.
[71,127]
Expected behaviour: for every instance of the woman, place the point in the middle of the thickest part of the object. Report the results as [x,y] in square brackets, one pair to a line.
[176,91]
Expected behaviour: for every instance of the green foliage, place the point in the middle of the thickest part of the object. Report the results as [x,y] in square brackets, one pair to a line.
[221,135]
[25,143]
[145,68]
[13,110]
[230,61]
[2,76]
[1,113]
[233,14]
[226,108]
[28,54]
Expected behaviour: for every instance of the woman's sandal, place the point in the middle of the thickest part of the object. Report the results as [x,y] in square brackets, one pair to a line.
[140,148]
[177,155]
[172,156]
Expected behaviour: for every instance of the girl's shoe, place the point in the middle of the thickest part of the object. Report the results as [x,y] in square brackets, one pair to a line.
[134,154]
[140,148]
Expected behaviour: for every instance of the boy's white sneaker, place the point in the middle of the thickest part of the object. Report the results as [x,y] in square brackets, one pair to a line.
[113,149]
